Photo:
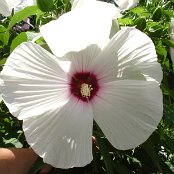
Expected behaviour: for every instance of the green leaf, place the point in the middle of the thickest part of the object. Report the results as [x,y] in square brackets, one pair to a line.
[105,153]
[19,16]
[168,42]
[140,23]
[22,37]
[168,114]
[2,32]
[122,169]
[155,29]
[45,5]
[150,150]
[165,168]
[162,53]
[2,61]
[167,5]
[125,21]
[32,35]
[37,166]
[140,11]
[104,149]
[157,14]
[13,141]
[168,13]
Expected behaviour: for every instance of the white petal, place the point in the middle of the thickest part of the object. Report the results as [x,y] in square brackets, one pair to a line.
[172,38]
[1,98]
[81,61]
[130,54]
[23,4]
[63,138]
[115,27]
[172,26]
[126,4]
[172,54]
[105,65]
[125,57]
[78,29]
[128,111]
[136,53]
[79,3]
[6,6]
[32,81]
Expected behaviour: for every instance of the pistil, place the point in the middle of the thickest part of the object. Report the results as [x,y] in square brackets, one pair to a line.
[85,90]
[84,86]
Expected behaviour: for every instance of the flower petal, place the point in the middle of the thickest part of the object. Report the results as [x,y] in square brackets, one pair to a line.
[105,65]
[126,4]
[79,3]
[74,30]
[136,52]
[128,111]
[24,3]
[172,39]
[7,6]
[130,54]
[172,54]
[32,81]
[115,25]
[82,60]
[63,138]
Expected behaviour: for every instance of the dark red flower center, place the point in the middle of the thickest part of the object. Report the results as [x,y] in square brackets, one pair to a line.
[84,86]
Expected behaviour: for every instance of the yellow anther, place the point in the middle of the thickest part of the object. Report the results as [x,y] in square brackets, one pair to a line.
[86,90]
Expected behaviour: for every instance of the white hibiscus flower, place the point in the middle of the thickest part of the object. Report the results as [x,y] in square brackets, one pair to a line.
[6,6]
[113,81]
[172,39]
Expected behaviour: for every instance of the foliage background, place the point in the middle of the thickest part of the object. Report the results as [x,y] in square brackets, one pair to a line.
[156,155]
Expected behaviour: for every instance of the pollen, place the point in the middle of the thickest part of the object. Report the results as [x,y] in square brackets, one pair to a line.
[85,90]
[84,86]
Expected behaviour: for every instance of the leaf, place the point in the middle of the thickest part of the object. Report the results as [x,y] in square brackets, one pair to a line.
[169,143]
[13,141]
[19,16]
[121,169]
[104,149]
[155,29]
[165,167]
[161,50]
[140,23]
[168,13]
[22,37]
[45,5]
[2,61]
[32,35]
[168,42]
[157,14]
[168,114]
[140,11]
[37,166]
[125,21]
[2,32]
[167,5]
[150,150]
